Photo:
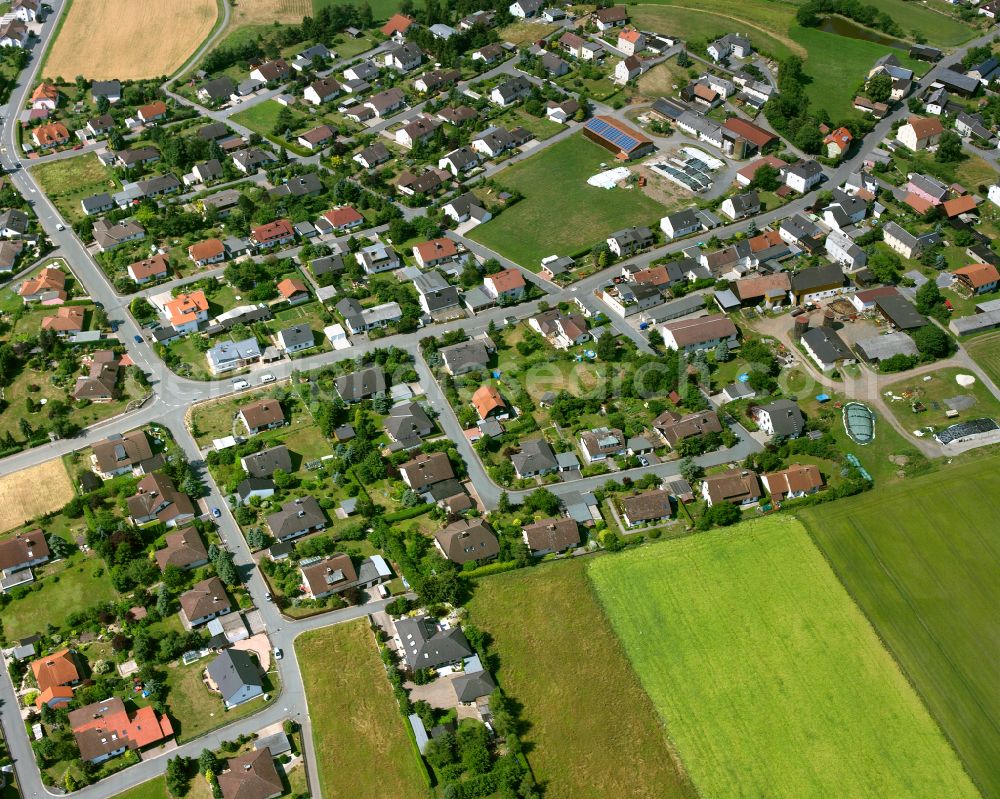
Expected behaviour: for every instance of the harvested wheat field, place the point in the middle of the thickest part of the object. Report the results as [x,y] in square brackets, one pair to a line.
[21,499]
[125,39]
[264,12]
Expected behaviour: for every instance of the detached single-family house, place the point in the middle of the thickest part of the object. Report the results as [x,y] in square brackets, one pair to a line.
[262,414]
[551,535]
[650,507]
[780,419]
[205,601]
[467,540]
[296,518]
[236,676]
[919,133]
[798,480]
[737,486]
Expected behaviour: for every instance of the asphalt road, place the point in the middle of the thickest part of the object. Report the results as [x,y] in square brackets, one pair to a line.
[173,396]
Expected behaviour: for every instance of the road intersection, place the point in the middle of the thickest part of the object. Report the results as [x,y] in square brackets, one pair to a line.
[172,397]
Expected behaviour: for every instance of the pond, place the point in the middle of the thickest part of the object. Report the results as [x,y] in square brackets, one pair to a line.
[844,27]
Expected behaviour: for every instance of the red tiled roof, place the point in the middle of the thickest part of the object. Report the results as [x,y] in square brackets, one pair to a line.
[959,205]
[486,400]
[398,23]
[343,216]
[507,280]
[204,250]
[752,133]
[435,249]
[977,275]
[291,286]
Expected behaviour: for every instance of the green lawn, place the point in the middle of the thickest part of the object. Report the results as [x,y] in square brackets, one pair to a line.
[560,213]
[768,677]
[195,710]
[931,394]
[938,29]
[68,181]
[590,730]
[84,584]
[985,349]
[156,788]
[362,747]
[921,560]
[262,118]
[381,9]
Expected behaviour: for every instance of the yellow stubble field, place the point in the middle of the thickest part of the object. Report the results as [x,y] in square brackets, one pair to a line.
[128,39]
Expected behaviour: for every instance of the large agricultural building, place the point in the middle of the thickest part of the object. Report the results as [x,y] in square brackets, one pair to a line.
[626,143]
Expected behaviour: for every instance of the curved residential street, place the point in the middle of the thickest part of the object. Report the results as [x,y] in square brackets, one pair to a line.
[173,396]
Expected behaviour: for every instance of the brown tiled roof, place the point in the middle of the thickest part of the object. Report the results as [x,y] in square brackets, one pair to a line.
[425,470]
[251,776]
[155,490]
[733,486]
[155,265]
[797,477]
[752,133]
[750,288]
[552,534]
[648,506]
[204,250]
[49,279]
[105,726]
[183,548]
[131,449]
[398,23]
[925,127]
[507,280]
[705,328]
[278,229]
[205,598]
[675,427]
[23,548]
[68,319]
[466,540]
[436,248]
[334,573]
[262,413]
[153,109]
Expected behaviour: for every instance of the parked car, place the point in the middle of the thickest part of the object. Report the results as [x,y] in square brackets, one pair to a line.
[137,338]
[278,654]
[268,378]
[240,385]
[216,513]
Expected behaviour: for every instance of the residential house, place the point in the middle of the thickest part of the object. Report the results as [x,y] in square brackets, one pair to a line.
[266,462]
[561,330]
[703,333]
[101,380]
[152,112]
[627,69]
[505,286]
[293,290]
[547,536]
[467,540]
[826,348]
[216,90]
[842,249]
[803,176]
[252,775]
[977,278]
[435,294]
[465,207]
[420,129]
[435,252]
[525,9]
[779,419]
[97,203]
[426,645]
[407,424]
[536,458]
[105,729]
[120,454]
[50,135]
[459,161]
[371,157]
[798,480]
[186,312]
[210,251]
[44,97]
[403,57]
[737,486]
[361,320]
[296,338]
[817,283]
[236,676]
[183,549]
[55,674]
[271,71]
[678,224]
[436,80]
[740,206]
[317,138]
[397,26]
[650,507]
[730,45]
[296,518]
[360,385]
[321,91]
[467,356]
[426,470]
[156,267]
[919,133]
[341,219]
[377,257]
[157,499]
[631,41]
[488,403]
[263,414]
[68,321]
[273,234]
[674,427]
[608,18]
[510,91]
[629,241]
[601,443]
[250,160]
[905,243]
[838,142]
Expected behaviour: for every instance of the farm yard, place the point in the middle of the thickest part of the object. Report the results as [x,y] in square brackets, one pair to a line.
[746,672]
[104,39]
[362,746]
[561,213]
[20,499]
[924,403]
[921,560]
[590,728]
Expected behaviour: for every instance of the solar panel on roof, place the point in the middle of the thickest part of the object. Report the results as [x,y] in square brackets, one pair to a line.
[612,134]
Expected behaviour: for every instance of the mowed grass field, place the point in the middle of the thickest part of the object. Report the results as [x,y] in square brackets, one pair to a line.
[591,731]
[921,559]
[68,181]
[362,747]
[560,213]
[125,39]
[32,492]
[770,680]
[985,350]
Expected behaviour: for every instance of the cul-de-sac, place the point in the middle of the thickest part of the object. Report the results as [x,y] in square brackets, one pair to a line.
[499,400]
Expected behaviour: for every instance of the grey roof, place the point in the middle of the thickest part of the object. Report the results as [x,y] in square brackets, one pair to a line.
[878,348]
[277,743]
[739,391]
[296,515]
[964,429]
[213,131]
[105,88]
[407,422]
[232,670]
[297,335]
[96,202]
[327,264]
[361,384]
[826,344]
[218,88]
[536,455]
[900,311]
[247,349]
[425,646]
[465,356]
[816,277]
[15,220]
[251,484]
[786,417]
[265,462]
[298,186]
[470,687]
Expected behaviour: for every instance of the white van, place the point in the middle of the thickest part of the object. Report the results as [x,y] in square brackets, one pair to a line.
[240,385]
[268,378]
